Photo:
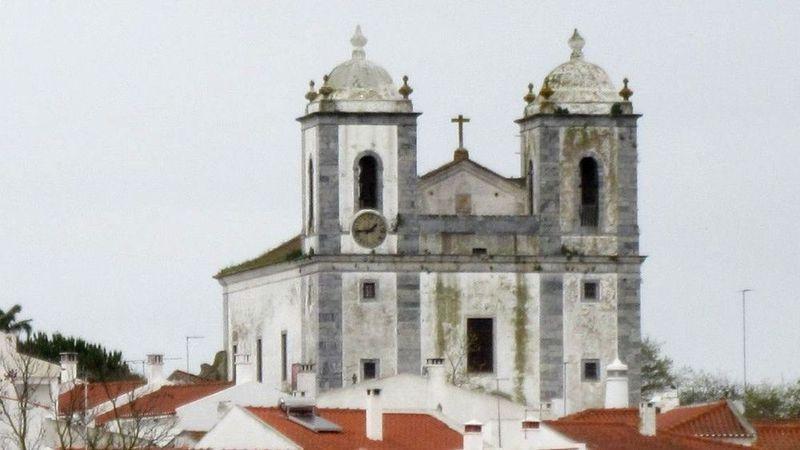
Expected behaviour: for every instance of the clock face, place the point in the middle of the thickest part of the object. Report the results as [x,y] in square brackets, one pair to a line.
[369,229]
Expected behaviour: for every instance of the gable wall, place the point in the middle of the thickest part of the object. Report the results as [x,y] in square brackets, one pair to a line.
[487,199]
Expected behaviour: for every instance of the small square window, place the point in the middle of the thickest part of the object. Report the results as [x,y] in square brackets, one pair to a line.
[590,370]
[368,290]
[369,369]
[478,251]
[591,291]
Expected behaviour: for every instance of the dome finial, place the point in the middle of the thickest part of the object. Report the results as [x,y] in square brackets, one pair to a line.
[626,92]
[576,43]
[359,41]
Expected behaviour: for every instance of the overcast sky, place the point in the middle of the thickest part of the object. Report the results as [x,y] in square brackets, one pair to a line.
[144,145]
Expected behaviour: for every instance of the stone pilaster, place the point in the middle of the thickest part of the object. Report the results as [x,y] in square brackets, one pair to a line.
[330,330]
[409,356]
[551,344]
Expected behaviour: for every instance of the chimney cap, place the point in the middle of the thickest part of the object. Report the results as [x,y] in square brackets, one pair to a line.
[473,426]
[155,358]
[434,361]
[68,356]
[617,366]
[375,392]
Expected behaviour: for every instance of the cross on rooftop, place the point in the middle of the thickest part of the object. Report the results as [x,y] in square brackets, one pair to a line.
[460,120]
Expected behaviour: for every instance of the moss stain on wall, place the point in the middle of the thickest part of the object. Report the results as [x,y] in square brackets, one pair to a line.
[520,338]
[448,312]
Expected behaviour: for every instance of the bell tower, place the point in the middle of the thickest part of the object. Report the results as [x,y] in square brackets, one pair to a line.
[359,161]
[579,157]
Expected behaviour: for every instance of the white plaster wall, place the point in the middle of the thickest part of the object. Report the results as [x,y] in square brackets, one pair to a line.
[590,332]
[369,328]
[241,429]
[495,295]
[204,413]
[354,140]
[488,199]
[264,307]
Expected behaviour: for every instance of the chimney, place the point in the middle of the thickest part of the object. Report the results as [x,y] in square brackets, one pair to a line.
[437,381]
[69,366]
[242,366]
[530,427]
[473,436]
[616,385]
[374,415]
[306,381]
[223,407]
[647,419]
[154,372]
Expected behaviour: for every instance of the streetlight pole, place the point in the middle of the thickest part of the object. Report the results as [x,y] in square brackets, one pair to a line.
[744,338]
[188,338]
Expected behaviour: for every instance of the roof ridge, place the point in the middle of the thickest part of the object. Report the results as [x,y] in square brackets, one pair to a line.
[712,406]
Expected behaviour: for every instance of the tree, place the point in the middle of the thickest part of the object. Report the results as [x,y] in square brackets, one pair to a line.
[657,374]
[10,324]
[25,385]
[700,387]
[94,361]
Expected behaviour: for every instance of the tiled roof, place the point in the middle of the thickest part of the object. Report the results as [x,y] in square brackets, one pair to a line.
[287,251]
[706,420]
[784,435]
[164,401]
[627,416]
[711,420]
[620,436]
[401,431]
[93,394]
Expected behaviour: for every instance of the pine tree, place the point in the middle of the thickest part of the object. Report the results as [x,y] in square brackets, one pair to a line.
[95,362]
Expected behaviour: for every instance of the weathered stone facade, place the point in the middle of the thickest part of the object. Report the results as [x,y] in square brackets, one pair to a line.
[462,243]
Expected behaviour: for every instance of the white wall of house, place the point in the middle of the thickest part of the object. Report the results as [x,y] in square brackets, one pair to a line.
[203,414]
[241,429]
[263,308]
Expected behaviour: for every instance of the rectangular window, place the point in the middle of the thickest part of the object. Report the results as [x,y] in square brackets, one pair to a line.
[591,291]
[480,345]
[478,251]
[233,362]
[369,369]
[590,370]
[259,362]
[368,290]
[283,356]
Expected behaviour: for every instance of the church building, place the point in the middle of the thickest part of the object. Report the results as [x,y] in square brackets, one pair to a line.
[526,284]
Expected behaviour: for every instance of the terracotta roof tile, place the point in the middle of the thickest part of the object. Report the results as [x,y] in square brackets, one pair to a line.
[620,436]
[627,416]
[783,435]
[93,394]
[164,401]
[402,431]
[712,419]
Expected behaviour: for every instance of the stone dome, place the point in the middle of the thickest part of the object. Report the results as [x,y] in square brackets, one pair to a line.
[361,79]
[578,85]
